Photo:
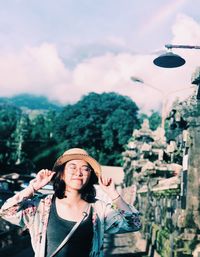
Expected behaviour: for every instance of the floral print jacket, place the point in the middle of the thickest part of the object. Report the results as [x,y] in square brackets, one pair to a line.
[33,213]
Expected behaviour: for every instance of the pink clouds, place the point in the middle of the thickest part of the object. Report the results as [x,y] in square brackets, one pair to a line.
[40,70]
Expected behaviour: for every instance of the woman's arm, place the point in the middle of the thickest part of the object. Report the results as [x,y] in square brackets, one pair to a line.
[108,186]
[20,208]
[16,199]
[120,217]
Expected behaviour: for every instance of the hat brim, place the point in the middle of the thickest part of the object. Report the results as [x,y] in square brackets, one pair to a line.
[68,157]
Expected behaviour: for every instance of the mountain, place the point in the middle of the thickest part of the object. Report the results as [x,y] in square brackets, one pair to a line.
[31,102]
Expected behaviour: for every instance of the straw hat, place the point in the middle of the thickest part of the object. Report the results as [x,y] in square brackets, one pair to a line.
[78,154]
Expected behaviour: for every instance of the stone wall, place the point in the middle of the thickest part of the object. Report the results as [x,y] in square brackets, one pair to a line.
[165,168]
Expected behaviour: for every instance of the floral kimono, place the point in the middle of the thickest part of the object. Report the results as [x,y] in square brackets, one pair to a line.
[33,214]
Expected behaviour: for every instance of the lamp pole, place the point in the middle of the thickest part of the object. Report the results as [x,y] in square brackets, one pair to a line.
[170,46]
[165,97]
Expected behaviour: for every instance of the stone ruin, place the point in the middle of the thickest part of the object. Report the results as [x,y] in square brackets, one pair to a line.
[165,168]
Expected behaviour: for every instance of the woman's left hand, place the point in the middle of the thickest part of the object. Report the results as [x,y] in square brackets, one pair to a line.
[108,186]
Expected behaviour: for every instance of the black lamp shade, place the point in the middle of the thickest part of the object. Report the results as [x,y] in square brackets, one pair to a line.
[169,60]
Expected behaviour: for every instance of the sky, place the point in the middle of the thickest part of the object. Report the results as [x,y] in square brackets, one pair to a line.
[64,49]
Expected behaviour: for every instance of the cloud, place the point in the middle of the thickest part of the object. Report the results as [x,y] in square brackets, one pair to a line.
[163,13]
[74,52]
[33,69]
[186,30]
[42,71]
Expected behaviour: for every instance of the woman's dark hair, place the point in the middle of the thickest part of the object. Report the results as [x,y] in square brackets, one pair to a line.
[88,192]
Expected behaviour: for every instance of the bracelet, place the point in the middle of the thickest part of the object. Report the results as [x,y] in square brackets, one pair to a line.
[116,198]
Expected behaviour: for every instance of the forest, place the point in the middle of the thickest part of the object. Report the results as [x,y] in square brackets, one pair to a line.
[34,131]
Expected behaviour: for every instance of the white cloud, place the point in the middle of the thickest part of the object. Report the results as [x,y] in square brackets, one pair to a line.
[186,30]
[41,70]
[34,69]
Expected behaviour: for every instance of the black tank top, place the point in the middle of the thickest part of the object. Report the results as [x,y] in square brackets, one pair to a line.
[79,245]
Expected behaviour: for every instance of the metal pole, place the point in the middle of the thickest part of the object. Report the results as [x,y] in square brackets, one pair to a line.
[163,114]
[169,46]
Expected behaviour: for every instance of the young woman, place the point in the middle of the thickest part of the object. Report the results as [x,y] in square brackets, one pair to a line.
[50,218]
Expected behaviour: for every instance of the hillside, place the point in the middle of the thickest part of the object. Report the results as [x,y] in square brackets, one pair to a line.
[31,102]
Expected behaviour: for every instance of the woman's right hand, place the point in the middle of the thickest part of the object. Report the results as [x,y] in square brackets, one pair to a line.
[42,178]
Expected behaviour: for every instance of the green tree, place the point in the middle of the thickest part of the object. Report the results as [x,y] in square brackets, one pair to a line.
[9,119]
[154,119]
[40,143]
[100,123]
[27,136]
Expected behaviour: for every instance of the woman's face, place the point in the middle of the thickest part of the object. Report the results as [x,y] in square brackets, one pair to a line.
[76,174]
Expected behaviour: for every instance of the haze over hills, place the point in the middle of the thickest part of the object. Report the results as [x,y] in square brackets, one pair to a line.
[31,102]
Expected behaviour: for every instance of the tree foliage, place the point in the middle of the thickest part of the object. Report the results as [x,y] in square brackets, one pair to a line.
[9,119]
[154,119]
[100,123]
[40,142]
